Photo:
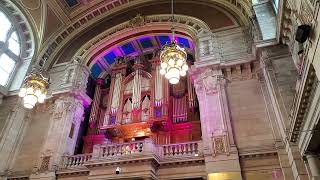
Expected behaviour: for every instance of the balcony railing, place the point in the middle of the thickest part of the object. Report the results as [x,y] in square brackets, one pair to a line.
[135,150]
[190,148]
[76,160]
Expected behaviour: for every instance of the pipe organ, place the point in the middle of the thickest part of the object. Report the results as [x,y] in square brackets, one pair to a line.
[140,103]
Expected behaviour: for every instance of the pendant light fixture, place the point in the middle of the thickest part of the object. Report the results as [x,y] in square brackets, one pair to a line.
[34,89]
[173,58]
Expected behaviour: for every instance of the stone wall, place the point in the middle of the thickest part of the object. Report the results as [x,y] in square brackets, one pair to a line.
[249,117]
[283,74]
[29,152]
[6,107]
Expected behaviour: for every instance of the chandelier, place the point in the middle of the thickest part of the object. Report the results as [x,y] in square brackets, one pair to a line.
[173,58]
[34,89]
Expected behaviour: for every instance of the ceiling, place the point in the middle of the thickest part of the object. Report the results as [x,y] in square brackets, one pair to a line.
[134,47]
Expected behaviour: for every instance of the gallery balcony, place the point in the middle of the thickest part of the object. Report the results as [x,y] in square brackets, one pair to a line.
[145,152]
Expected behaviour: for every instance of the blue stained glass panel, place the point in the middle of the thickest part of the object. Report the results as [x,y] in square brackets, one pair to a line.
[110,57]
[184,42]
[128,48]
[72,3]
[164,40]
[95,71]
[146,43]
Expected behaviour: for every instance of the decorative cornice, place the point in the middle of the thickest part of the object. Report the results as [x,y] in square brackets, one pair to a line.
[301,104]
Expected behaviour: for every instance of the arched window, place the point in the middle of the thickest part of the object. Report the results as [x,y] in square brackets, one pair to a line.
[9,49]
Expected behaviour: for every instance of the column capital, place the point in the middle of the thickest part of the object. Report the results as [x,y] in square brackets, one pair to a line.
[206,79]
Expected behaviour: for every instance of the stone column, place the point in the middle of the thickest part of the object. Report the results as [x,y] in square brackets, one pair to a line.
[220,152]
[69,100]
[67,114]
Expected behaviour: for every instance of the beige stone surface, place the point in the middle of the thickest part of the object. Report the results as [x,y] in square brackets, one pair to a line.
[5,109]
[248,115]
[32,142]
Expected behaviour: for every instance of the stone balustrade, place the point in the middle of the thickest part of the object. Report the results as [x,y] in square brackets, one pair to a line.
[112,150]
[135,150]
[76,160]
[189,148]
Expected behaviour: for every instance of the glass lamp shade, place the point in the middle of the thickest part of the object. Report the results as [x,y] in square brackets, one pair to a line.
[162,71]
[185,67]
[174,80]
[183,73]
[164,65]
[41,98]
[29,101]
[23,92]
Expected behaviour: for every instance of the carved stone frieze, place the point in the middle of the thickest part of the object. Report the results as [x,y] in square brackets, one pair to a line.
[137,21]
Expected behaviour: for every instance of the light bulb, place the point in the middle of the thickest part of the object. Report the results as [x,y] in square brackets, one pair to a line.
[174,80]
[180,62]
[30,90]
[41,98]
[173,73]
[171,62]
[162,71]
[38,93]
[29,101]
[185,67]
[183,73]
[164,65]
[167,75]
[23,92]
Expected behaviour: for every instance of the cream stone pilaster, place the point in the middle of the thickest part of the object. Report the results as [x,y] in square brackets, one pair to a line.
[69,100]
[219,149]
[12,135]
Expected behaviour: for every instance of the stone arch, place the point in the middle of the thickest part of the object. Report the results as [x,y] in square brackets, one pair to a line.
[239,10]
[189,25]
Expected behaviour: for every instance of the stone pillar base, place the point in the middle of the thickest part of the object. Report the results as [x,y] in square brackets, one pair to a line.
[225,176]
[223,167]
[91,140]
[43,176]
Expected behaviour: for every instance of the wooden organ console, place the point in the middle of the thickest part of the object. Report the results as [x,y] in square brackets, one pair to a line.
[140,103]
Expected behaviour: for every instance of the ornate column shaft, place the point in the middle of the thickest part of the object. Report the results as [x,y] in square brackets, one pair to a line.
[218,143]
[70,99]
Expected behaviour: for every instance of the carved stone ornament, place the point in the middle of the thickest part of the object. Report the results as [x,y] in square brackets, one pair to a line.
[207,81]
[45,164]
[59,108]
[220,145]
[137,21]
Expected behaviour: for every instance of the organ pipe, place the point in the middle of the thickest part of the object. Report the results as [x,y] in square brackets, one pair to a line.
[158,87]
[191,94]
[116,93]
[136,91]
[107,113]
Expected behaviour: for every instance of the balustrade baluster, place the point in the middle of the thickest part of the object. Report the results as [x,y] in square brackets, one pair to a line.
[187,148]
[196,147]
